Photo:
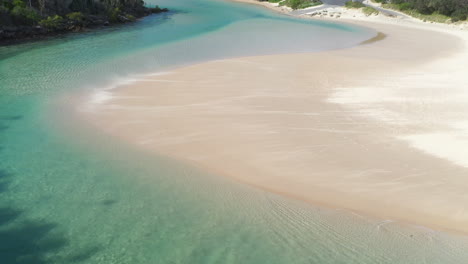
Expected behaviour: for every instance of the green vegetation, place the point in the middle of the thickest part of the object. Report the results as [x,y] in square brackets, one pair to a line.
[130,17]
[431,10]
[367,10]
[296,4]
[24,15]
[52,22]
[38,12]
[434,17]
[76,16]
[114,14]
[300,4]
[352,4]
[30,18]
[18,12]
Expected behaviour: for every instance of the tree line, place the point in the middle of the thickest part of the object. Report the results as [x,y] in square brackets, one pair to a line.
[21,19]
[455,9]
[32,12]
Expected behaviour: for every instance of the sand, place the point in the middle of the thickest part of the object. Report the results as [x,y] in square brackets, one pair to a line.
[273,6]
[379,129]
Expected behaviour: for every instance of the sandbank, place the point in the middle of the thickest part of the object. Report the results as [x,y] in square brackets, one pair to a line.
[379,128]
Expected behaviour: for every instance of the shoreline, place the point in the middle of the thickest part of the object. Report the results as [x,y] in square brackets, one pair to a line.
[12,35]
[280,9]
[353,15]
[267,156]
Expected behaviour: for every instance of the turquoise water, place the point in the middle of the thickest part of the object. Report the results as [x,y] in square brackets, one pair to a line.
[74,196]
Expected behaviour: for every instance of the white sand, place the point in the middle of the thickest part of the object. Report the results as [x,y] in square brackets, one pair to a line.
[380,128]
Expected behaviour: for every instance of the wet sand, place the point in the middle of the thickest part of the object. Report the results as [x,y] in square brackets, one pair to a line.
[370,129]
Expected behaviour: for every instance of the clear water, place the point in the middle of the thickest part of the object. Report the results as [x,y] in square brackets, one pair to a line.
[73,196]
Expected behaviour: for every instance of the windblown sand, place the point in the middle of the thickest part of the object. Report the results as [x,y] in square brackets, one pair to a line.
[379,128]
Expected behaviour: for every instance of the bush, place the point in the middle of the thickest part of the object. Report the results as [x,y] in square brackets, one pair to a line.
[300,4]
[370,11]
[130,17]
[6,5]
[25,15]
[352,4]
[432,10]
[405,6]
[459,15]
[52,22]
[76,16]
[157,9]
[19,3]
[114,14]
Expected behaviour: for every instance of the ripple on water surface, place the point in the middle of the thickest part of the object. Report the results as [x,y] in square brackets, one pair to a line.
[78,197]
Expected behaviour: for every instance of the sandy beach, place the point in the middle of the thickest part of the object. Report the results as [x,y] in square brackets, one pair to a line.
[273,6]
[379,129]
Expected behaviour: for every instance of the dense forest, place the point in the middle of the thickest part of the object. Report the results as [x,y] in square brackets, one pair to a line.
[31,18]
[455,9]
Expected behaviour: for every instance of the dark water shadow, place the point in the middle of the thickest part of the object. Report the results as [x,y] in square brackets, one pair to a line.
[109,202]
[28,241]
[3,180]
[7,119]
[7,215]
[11,117]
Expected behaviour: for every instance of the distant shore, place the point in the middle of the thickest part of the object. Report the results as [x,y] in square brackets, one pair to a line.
[378,129]
[343,13]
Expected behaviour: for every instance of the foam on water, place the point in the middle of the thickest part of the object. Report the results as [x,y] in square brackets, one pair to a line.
[102,95]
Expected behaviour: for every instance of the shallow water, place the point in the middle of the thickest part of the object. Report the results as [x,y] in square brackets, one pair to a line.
[71,196]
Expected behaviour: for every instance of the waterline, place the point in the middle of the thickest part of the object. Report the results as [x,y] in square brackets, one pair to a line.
[68,195]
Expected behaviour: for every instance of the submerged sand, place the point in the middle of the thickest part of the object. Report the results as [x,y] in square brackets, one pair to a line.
[377,128]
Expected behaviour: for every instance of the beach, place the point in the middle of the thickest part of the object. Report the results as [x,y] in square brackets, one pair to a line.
[222,132]
[378,129]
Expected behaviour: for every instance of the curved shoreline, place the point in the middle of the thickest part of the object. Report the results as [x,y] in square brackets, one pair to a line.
[249,127]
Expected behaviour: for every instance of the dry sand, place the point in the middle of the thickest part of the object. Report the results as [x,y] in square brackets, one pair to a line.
[377,128]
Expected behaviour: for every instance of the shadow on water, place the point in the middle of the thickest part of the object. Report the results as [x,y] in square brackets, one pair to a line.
[23,240]
[6,119]
[109,202]
[3,180]
[10,117]
[27,240]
